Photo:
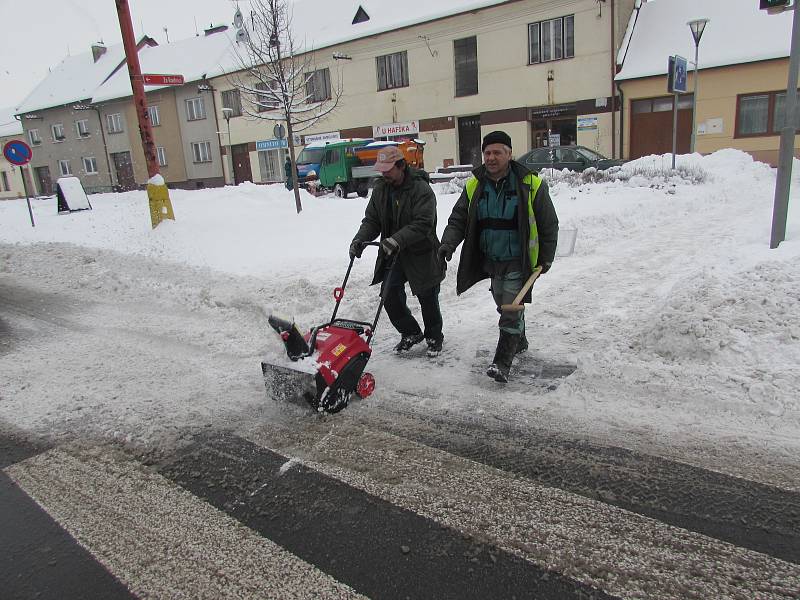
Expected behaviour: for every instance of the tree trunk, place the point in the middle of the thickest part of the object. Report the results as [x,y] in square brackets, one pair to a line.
[290,137]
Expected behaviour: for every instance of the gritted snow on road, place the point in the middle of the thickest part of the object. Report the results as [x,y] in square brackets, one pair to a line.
[668,324]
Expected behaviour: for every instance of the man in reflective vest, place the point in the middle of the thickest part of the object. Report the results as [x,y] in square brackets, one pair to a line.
[509,228]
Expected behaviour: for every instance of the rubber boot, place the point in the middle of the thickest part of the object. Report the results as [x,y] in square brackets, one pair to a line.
[522,345]
[503,356]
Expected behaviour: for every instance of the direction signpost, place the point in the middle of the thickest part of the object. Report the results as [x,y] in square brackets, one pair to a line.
[150,79]
[676,85]
[19,153]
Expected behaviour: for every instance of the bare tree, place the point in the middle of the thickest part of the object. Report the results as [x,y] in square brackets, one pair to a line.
[277,80]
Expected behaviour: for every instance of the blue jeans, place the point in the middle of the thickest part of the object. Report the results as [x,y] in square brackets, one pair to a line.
[397,307]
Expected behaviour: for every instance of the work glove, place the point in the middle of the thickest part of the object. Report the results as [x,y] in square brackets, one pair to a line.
[356,248]
[545,267]
[445,252]
[389,246]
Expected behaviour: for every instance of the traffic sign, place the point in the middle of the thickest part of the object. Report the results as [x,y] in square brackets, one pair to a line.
[17,152]
[676,80]
[151,79]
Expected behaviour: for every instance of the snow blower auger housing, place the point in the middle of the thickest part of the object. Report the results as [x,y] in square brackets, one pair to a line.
[327,362]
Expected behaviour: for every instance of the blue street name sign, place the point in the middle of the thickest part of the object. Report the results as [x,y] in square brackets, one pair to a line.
[271,144]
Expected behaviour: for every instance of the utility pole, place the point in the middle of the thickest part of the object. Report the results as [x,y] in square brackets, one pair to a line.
[157,192]
[783,182]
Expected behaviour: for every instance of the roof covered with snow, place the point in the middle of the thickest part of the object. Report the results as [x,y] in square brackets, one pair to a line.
[74,79]
[207,54]
[738,32]
[8,124]
[322,23]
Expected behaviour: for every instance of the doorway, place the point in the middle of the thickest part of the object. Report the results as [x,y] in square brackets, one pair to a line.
[651,126]
[563,132]
[123,166]
[241,164]
[469,141]
[43,181]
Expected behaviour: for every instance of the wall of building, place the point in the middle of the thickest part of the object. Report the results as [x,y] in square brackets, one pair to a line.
[12,173]
[202,130]
[507,84]
[716,104]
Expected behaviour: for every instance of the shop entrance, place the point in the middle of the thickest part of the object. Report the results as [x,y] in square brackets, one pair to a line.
[565,129]
[469,141]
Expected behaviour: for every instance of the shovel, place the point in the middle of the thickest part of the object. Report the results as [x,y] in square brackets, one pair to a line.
[515,306]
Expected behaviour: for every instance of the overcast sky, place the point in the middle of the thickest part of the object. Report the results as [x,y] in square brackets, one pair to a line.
[37,34]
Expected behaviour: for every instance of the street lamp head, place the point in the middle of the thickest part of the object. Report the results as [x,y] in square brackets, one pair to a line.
[697,26]
[227,113]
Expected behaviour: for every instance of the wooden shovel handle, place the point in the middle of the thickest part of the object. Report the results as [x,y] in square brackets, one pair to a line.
[515,305]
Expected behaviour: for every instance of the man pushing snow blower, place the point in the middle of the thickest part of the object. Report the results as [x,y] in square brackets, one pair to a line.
[329,360]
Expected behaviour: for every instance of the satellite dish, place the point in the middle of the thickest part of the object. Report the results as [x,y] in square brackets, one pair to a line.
[242,35]
[238,19]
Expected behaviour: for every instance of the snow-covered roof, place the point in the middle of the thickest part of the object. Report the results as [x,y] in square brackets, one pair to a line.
[208,55]
[322,23]
[75,78]
[8,124]
[738,32]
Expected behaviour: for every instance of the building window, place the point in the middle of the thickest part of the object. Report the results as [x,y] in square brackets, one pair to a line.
[201,152]
[392,70]
[90,165]
[162,156]
[155,118]
[466,64]
[33,136]
[553,39]
[318,86]
[82,128]
[114,123]
[6,187]
[761,114]
[266,101]
[195,109]
[233,100]
[58,132]
[64,168]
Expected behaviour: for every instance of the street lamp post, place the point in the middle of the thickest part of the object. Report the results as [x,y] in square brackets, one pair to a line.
[228,113]
[697,26]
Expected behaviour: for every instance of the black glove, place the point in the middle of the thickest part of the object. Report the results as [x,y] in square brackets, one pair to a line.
[356,248]
[545,267]
[389,246]
[445,252]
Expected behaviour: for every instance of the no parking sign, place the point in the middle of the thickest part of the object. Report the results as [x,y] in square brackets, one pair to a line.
[19,153]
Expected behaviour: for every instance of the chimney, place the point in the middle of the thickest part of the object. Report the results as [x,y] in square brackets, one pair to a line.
[98,50]
[215,29]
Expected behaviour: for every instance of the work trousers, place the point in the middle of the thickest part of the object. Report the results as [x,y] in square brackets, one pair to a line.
[397,307]
[505,288]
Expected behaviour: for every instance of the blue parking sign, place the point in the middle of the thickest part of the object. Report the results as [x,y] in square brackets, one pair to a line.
[676,80]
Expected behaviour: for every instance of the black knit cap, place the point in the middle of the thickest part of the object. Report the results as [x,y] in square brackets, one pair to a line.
[496,137]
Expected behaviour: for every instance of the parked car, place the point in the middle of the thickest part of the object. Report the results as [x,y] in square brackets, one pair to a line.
[574,158]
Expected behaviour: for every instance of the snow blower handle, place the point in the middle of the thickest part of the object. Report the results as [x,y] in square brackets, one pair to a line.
[338,293]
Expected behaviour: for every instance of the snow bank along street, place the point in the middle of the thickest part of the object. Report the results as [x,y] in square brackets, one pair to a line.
[683,324]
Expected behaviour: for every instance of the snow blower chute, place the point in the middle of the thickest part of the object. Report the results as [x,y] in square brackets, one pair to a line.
[327,362]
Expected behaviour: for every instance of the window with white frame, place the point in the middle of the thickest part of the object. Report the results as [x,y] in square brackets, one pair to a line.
[34,137]
[318,85]
[392,70]
[90,165]
[58,132]
[162,156]
[195,109]
[553,39]
[266,101]
[201,151]
[114,123]
[232,99]
[82,128]
[64,168]
[155,118]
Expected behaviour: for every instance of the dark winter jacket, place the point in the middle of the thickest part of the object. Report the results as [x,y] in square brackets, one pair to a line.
[408,214]
[463,226]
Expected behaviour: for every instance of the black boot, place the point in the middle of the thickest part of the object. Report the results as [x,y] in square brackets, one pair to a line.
[522,345]
[503,356]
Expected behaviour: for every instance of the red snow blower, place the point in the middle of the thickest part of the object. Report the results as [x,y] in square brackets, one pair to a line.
[329,359]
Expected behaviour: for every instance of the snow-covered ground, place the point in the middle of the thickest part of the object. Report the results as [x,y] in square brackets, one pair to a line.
[684,325]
